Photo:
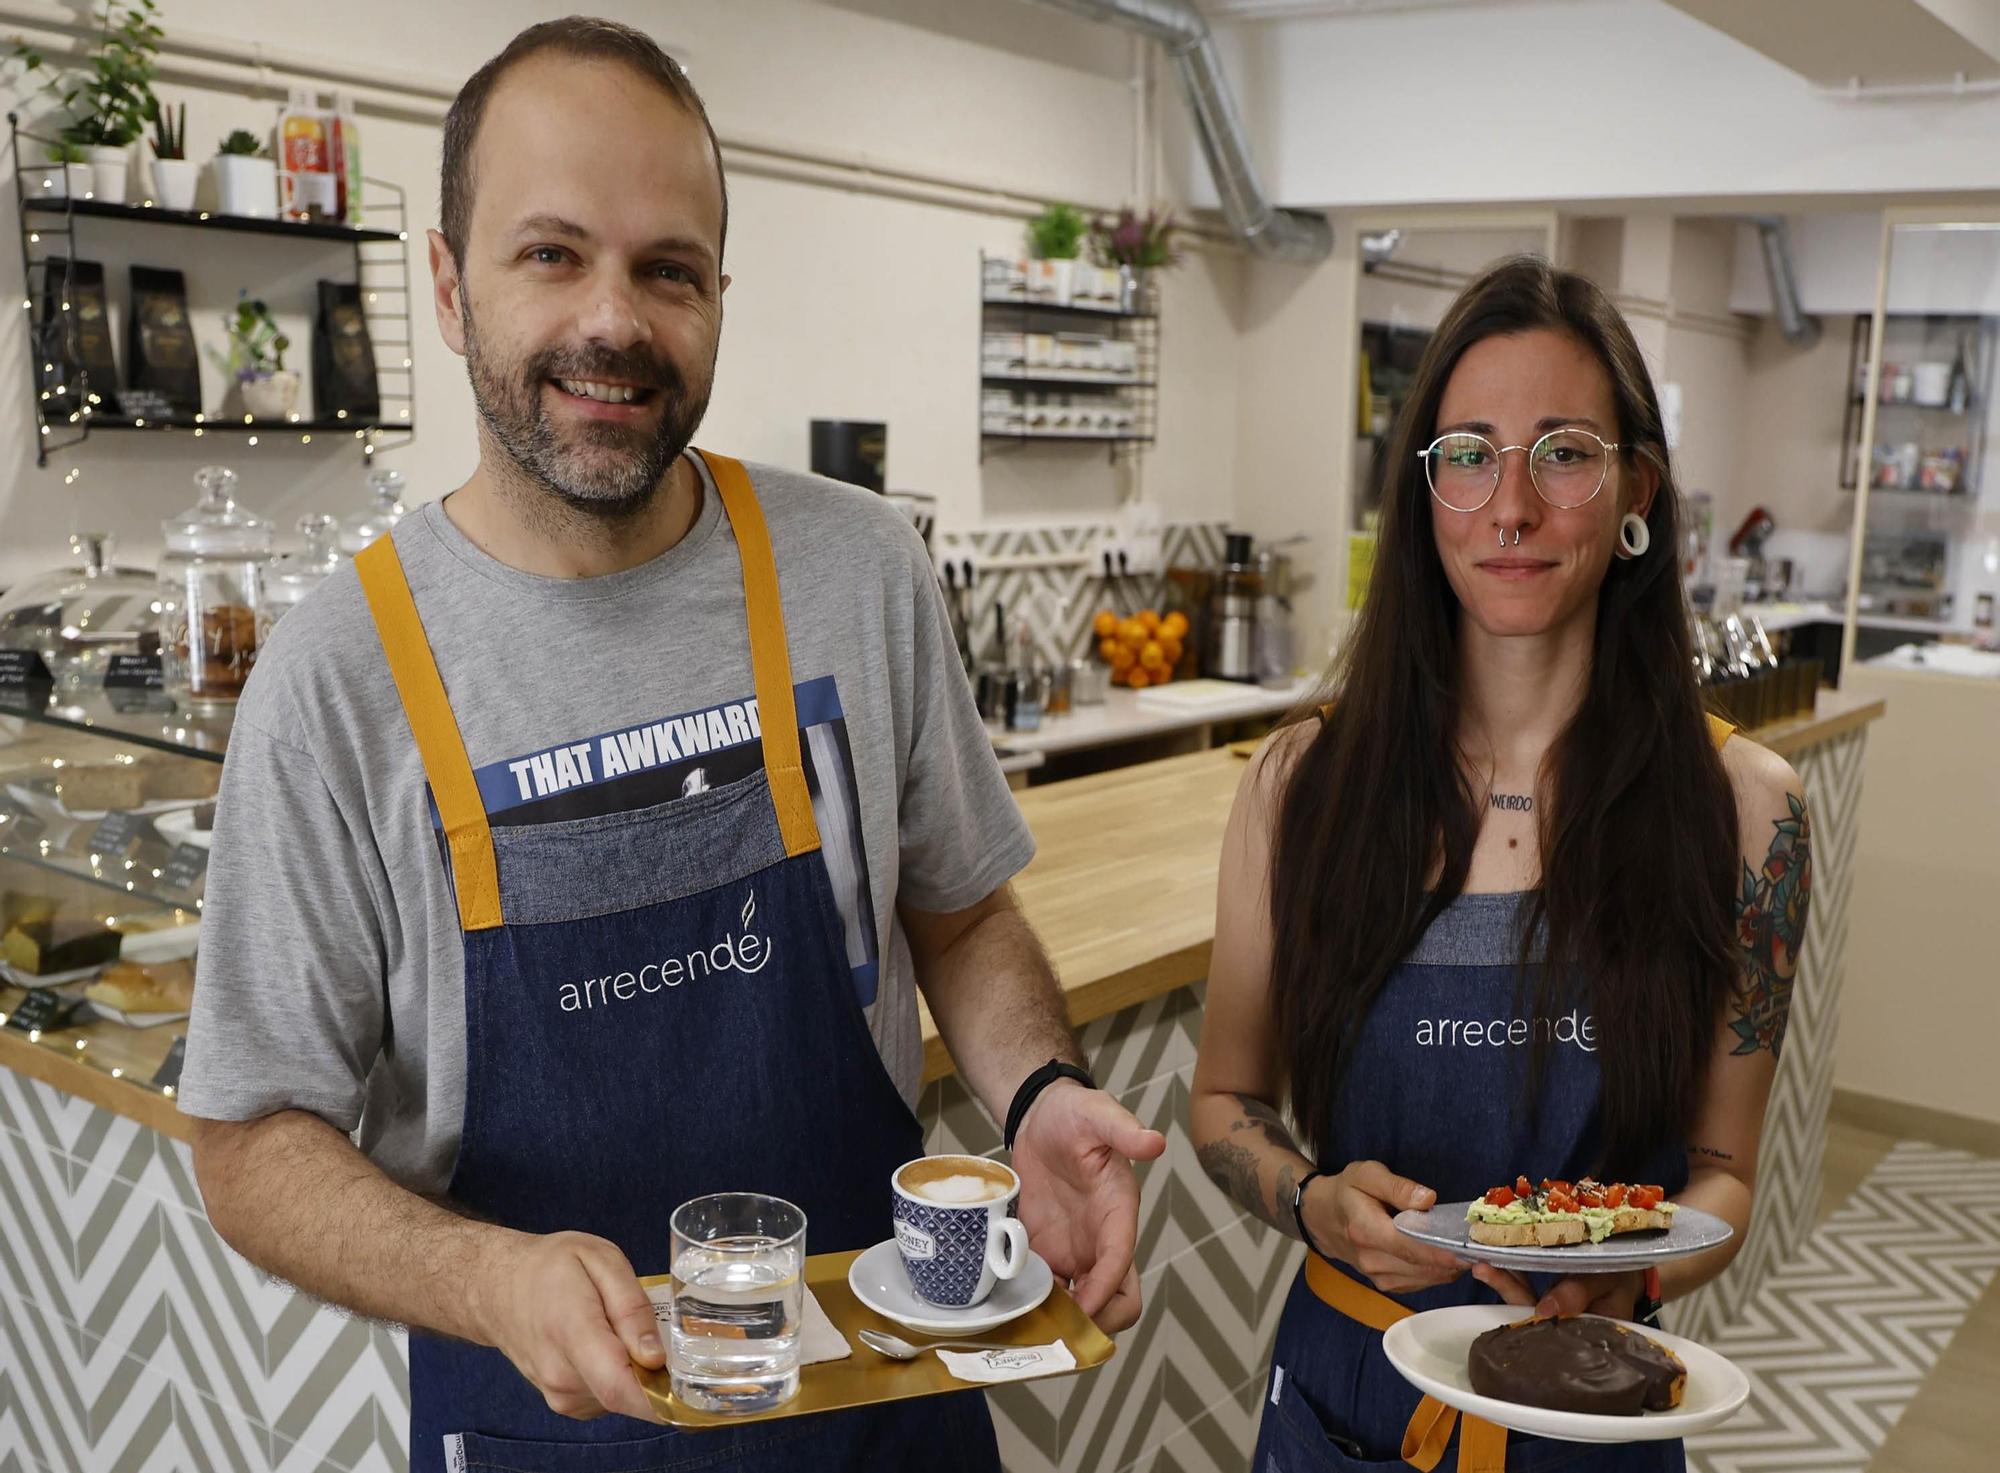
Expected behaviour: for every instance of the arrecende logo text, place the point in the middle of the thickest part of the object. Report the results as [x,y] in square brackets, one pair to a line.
[743,951]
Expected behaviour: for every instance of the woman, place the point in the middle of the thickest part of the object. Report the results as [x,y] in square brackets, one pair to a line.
[1509,905]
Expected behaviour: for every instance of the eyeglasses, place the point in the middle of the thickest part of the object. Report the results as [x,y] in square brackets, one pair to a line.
[1567,467]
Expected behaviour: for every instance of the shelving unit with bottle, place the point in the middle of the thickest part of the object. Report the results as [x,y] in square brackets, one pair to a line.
[70,404]
[1932,409]
[1066,355]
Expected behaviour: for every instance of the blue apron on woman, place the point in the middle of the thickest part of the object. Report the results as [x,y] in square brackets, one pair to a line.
[658,1006]
[1436,1091]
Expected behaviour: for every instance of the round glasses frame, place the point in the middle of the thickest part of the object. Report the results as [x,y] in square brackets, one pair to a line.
[1428,455]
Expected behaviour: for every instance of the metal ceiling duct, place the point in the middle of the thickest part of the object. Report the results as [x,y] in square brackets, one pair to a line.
[1800,330]
[1303,236]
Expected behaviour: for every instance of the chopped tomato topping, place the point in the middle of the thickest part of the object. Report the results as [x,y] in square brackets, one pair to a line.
[1500,1197]
[1521,1187]
[1646,1198]
[1614,1195]
[1591,1199]
[1561,1201]
[1556,1186]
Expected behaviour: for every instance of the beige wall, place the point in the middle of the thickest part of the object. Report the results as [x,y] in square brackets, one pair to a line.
[1922,999]
[1792,407]
[845,302]
[1295,423]
[1709,359]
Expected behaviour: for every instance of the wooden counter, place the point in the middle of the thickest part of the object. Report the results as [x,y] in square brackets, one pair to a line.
[1122,893]
[1122,888]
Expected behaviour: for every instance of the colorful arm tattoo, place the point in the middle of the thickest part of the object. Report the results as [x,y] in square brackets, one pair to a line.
[1771,927]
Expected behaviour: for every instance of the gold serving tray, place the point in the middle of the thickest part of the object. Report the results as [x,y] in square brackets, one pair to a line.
[865,1378]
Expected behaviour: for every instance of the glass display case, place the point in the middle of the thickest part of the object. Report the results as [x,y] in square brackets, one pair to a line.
[107,805]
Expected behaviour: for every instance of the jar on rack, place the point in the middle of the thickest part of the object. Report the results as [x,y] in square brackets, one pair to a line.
[297,574]
[213,616]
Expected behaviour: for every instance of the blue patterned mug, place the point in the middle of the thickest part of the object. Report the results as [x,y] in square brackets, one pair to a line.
[956,1228]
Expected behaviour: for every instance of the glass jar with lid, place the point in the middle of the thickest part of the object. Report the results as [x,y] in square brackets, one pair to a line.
[77,617]
[212,576]
[297,574]
[385,509]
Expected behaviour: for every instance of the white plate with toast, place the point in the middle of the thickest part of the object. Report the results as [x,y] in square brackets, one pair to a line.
[1693,1231]
[1431,1351]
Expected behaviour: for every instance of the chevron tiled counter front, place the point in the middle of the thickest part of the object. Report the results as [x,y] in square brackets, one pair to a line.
[132,1340]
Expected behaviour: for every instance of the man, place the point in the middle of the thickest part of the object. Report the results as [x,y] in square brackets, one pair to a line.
[578,849]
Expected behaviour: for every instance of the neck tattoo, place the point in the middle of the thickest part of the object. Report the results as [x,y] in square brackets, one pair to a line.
[1511,802]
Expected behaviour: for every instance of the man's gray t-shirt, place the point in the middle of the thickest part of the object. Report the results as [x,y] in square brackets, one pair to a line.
[331,974]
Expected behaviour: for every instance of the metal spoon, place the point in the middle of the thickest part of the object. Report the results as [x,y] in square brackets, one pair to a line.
[897,1348]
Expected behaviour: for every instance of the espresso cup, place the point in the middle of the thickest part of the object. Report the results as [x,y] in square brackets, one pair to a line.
[956,1228]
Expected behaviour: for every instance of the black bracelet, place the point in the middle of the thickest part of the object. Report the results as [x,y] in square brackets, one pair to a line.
[1299,1210]
[1033,1085]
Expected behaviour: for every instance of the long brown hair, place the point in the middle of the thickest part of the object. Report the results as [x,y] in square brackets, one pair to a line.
[1638,837]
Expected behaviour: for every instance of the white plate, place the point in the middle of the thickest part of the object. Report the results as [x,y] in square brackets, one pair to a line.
[168,944]
[133,1020]
[12,974]
[1694,1231]
[1430,1351]
[178,828]
[879,1281]
[49,808]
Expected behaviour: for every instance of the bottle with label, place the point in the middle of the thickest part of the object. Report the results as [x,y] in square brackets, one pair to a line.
[1960,393]
[346,160]
[305,160]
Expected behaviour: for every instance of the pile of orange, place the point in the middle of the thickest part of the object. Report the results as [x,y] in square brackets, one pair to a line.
[1142,649]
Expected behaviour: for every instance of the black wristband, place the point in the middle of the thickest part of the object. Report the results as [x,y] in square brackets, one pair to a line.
[1299,1211]
[1033,1085]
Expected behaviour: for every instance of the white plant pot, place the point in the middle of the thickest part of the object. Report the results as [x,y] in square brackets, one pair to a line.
[246,185]
[110,171]
[1051,281]
[58,181]
[173,183]
[271,397]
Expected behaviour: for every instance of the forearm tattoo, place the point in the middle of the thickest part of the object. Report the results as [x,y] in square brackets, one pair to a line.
[1233,1165]
[1771,927]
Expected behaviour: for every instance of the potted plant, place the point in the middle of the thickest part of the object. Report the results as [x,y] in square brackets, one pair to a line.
[173,176]
[1137,245]
[246,177]
[68,173]
[255,362]
[110,99]
[1055,240]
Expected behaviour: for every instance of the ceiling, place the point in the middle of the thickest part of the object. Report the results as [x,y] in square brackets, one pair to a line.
[1873,42]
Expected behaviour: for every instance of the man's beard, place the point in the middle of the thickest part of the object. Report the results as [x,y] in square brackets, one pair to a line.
[609,471]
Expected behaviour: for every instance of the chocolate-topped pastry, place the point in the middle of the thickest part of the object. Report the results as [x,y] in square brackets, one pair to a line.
[1577,1364]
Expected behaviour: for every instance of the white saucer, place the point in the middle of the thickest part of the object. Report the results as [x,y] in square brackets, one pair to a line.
[1430,1351]
[879,1281]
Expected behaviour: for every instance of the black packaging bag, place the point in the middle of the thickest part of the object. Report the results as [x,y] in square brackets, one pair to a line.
[343,356]
[73,348]
[160,348]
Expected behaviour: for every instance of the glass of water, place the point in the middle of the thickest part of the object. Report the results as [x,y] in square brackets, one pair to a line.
[739,1266]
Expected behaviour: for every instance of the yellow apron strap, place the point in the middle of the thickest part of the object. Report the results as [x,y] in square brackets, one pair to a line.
[453,787]
[1719,731]
[770,660]
[1482,1446]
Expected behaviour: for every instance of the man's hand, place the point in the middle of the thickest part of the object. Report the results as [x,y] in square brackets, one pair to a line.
[1079,1197]
[571,1315]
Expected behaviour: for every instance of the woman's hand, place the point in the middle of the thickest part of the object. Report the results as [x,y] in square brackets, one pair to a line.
[1348,1217]
[1613,1295]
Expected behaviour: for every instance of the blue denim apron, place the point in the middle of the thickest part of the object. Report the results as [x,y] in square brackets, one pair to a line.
[658,1005]
[1433,1090]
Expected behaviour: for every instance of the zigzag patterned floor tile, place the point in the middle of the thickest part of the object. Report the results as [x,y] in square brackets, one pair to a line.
[1842,1334]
